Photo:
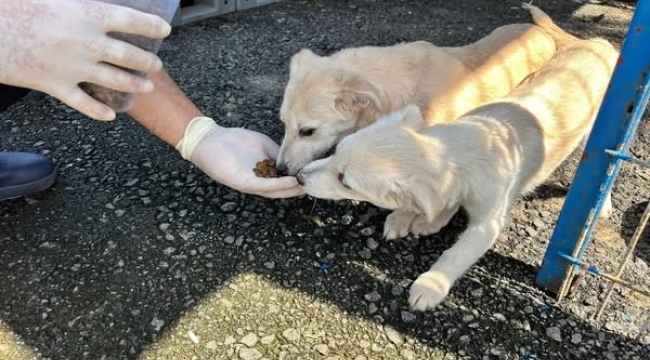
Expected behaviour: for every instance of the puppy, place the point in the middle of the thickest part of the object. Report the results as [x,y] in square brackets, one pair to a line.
[329,97]
[483,161]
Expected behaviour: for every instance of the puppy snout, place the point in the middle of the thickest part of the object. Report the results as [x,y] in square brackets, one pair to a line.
[301,178]
[281,167]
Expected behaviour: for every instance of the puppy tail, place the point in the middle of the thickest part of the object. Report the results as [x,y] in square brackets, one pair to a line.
[544,21]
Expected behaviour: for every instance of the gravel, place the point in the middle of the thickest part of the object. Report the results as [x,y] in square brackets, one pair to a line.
[134,249]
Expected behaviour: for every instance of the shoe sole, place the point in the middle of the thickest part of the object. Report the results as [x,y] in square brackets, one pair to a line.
[16,191]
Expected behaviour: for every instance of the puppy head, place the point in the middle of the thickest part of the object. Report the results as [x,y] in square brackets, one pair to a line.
[321,105]
[385,164]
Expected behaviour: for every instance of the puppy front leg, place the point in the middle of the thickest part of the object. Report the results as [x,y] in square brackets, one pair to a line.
[430,288]
[398,223]
[422,227]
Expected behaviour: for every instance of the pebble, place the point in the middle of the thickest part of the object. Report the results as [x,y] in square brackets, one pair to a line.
[212,345]
[554,333]
[322,349]
[372,244]
[269,265]
[229,239]
[132,182]
[394,336]
[397,290]
[365,253]
[408,317]
[576,338]
[229,206]
[291,335]
[372,308]
[528,309]
[229,340]
[195,339]
[467,318]
[499,317]
[267,340]
[373,296]
[250,340]
[163,226]
[249,354]
[408,354]
[368,231]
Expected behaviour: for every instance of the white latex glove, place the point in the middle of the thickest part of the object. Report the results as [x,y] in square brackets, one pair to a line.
[53,45]
[229,155]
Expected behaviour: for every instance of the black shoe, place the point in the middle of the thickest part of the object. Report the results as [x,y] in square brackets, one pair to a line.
[23,174]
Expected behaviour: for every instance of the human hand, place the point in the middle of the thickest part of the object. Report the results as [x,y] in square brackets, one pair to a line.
[228,155]
[53,45]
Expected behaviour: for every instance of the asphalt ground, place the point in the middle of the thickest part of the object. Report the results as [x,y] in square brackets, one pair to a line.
[135,254]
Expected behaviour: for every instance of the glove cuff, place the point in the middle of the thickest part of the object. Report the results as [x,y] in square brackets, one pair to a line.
[195,131]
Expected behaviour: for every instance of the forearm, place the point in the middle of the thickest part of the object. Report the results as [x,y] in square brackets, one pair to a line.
[166,111]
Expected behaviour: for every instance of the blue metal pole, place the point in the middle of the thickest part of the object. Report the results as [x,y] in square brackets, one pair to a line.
[614,129]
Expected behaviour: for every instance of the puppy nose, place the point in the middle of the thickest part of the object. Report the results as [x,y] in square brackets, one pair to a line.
[301,178]
[281,167]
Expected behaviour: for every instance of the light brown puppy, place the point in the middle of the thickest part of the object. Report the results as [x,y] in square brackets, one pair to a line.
[483,161]
[329,97]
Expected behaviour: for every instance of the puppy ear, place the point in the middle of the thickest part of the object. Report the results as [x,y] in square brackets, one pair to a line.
[417,197]
[301,58]
[409,117]
[355,94]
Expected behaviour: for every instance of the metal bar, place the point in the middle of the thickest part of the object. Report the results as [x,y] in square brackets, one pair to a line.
[596,271]
[614,128]
[628,254]
[627,157]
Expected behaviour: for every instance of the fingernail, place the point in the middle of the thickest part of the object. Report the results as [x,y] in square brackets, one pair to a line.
[166,30]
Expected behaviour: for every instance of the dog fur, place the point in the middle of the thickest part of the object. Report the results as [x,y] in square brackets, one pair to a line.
[329,97]
[483,161]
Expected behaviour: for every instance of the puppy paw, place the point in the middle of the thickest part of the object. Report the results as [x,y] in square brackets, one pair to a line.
[421,227]
[428,290]
[397,224]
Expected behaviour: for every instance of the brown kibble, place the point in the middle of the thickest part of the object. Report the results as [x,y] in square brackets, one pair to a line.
[266,169]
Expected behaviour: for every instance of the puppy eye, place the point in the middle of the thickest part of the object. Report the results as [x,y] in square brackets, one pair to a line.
[306,132]
[341,177]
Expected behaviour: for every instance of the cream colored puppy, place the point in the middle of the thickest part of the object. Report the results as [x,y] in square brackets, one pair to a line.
[329,97]
[483,161]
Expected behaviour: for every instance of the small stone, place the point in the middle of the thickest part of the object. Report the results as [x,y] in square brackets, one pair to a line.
[365,253]
[477,292]
[394,336]
[528,309]
[372,244]
[229,206]
[375,347]
[499,316]
[322,349]
[229,340]
[397,290]
[576,338]
[464,339]
[269,265]
[132,182]
[267,340]
[291,335]
[212,345]
[229,239]
[157,324]
[195,339]
[120,212]
[373,296]
[467,318]
[408,317]
[368,231]
[364,344]
[372,308]
[249,354]
[408,354]
[163,226]
[554,333]
[250,340]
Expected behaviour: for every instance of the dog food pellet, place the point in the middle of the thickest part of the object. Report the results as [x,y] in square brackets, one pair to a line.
[266,169]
